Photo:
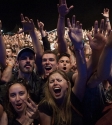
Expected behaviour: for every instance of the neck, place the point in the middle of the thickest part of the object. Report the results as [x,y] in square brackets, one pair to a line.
[26,76]
[59,102]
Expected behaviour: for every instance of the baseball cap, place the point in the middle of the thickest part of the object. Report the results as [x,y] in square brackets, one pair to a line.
[26,49]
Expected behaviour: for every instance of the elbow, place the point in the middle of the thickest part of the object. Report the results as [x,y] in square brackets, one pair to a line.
[5,80]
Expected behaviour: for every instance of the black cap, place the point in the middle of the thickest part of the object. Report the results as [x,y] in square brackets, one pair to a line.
[26,49]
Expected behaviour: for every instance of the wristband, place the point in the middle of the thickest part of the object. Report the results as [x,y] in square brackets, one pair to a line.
[107,19]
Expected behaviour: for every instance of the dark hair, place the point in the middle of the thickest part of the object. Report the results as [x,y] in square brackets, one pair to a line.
[10,48]
[8,107]
[63,54]
[50,52]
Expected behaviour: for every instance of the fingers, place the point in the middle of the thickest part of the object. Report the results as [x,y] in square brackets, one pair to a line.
[107,10]
[63,1]
[89,37]
[21,31]
[68,23]
[102,26]
[71,7]
[31,21]
[33,104]
[27,19]
[77,24]
[96,27]
[22,17]
[73,21]
[80,26]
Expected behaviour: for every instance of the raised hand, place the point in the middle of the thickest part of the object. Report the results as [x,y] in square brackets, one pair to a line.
[28,24]
[75,33]
[32,109]
[63,9]
[40,25]
[109,41]
[106,13]
[99,40]
[0,26]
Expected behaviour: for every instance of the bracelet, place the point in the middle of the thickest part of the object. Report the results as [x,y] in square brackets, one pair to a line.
[107,20]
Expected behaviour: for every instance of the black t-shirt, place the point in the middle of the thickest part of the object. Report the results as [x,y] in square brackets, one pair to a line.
[15,122]
[75,103]
[70,75]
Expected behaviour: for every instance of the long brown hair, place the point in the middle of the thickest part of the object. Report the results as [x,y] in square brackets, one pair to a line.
[12,114]
[58,116]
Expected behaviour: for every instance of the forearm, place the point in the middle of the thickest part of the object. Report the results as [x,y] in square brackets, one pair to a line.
[62,46]
[36,43]
[46,43]
[38,50]
[81,63]
[104,64]
[80,81]
[93,63]
[7,73]
[108,23]
[2,52]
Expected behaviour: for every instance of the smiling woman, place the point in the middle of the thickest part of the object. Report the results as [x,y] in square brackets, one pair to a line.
[15,108]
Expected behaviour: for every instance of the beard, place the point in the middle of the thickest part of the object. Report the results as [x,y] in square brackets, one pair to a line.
[26,70]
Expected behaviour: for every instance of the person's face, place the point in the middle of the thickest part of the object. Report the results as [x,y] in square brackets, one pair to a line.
[49,63]
[9,52]
[64,64]
[17,95]
[26,62]
[57,86]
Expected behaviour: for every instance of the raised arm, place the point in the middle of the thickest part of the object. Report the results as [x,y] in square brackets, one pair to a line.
[2,49]
[97,44]
[46,43]
[106,15]
[28,26]
[104,64]
[7,73]
[75,34]
[63,10]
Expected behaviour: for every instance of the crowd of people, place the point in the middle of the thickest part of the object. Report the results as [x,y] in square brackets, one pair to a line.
[62,77]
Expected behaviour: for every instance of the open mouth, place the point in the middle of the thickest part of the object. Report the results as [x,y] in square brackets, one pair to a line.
[64,68]
[19,105]
[57,90]
[48,68]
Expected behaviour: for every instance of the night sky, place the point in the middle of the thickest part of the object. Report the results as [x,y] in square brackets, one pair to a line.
[86,11]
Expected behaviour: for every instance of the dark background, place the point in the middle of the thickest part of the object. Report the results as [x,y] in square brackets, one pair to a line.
[86,11]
